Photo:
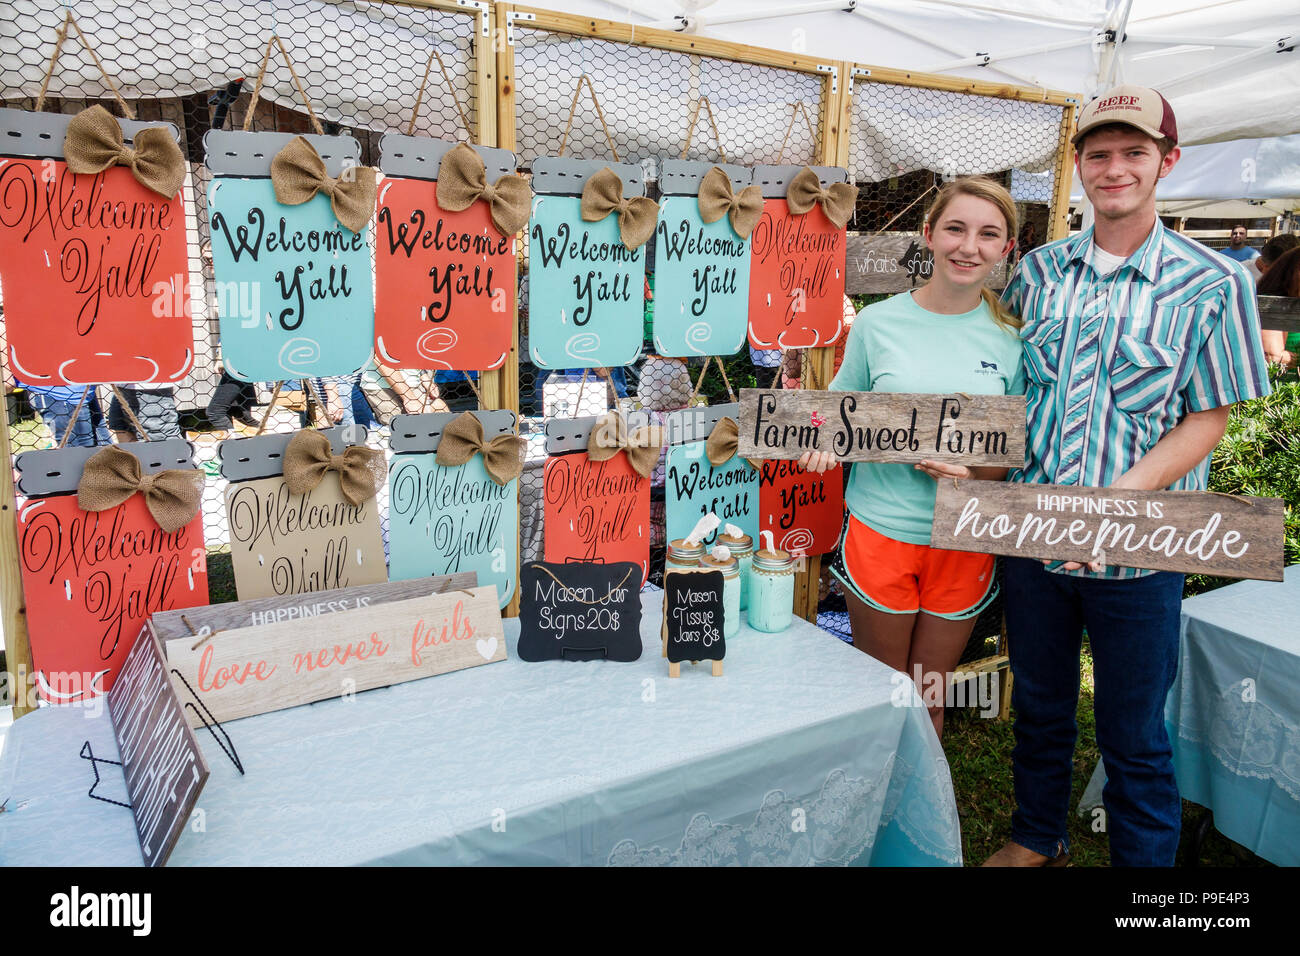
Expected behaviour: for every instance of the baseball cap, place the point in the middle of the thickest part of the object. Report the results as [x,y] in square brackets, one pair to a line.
[1135,106]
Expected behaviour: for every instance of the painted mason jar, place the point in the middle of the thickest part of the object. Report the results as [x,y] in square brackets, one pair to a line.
[771,591]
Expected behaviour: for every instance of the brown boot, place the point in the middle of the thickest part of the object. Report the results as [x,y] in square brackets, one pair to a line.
[1013,854]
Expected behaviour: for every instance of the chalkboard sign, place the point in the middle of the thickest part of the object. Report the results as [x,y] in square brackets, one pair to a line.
[693,619]
[582,611]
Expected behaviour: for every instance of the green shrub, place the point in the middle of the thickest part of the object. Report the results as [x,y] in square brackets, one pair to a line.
[1260,455]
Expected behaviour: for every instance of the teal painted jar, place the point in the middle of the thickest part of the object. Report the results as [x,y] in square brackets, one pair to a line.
[682,556]
[771,591]
[730,569]
[742,549]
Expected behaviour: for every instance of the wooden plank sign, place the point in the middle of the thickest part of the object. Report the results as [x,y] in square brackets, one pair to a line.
[443,519]
[692,625]
[295,290]
[694,487]
[167,625]
[1193,532]
[94,267]
[282,543]
[444,281]
[580,611]
[161,760]
[796,273]
[701,269]
[896,262]
[883,426]
[596,510]
[254,670]
[804,511]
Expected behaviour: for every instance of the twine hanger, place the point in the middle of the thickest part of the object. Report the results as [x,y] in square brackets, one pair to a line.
[126,407]
[464,119]
[690,129]
[72,422]
[798,108]
[577,90]
[70,23]
[700,381]
[261,76]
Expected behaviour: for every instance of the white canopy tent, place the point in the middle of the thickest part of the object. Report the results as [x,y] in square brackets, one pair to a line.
[1229,67]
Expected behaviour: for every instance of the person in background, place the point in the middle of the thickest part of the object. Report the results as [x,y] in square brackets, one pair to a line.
[154,409]
[1282,278]
[55,403]
[1237,248]
[913,606]
[231,399]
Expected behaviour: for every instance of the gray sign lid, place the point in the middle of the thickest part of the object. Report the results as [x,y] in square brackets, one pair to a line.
[697,422]
[262,456]
[775,180]
[681,177]
[57,471]
[564,176]
[40,135]
[236,153]
[571,434]
[419,157]
[422,433]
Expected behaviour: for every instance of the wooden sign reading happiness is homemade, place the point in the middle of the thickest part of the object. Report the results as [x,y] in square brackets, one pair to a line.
[254,670]
[883,426]
[1188,531]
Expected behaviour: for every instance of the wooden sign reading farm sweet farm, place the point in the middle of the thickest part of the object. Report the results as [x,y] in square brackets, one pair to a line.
[883,426]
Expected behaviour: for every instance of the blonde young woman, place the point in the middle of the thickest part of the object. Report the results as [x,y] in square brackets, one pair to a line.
[910,605]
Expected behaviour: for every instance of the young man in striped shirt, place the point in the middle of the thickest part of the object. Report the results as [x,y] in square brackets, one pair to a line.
[1137,343]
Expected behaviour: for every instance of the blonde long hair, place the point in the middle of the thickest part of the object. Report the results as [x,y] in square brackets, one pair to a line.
[981,187]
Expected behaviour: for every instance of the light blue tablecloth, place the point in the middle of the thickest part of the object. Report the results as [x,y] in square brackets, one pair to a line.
[800,753]
[1234,713]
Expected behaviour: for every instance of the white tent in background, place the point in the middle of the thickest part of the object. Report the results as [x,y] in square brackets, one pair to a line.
[1230,67]
[1242,179]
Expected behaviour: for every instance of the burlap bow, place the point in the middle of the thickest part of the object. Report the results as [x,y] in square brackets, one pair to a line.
[609,436]
[309,456]
[503,456]
[94,142]
[722,443]
[603,193]
[717,200]
[462,179]
[837,201]
[113,475]
[298,173]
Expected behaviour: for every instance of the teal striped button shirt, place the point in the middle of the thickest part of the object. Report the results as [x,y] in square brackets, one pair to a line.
[1112,364]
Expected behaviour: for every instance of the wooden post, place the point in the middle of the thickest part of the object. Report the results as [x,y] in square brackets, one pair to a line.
[18,650]
[503,112]
[1058,223]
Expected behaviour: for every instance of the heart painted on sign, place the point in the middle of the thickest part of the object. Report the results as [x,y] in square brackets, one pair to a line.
[487,649]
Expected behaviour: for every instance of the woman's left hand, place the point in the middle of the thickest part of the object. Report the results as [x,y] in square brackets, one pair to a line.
[940,469]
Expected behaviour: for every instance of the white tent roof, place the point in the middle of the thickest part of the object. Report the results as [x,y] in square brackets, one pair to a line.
[1227,66]
[1243,179]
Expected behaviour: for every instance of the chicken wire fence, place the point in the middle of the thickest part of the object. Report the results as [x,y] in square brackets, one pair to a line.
[644,107]
[193,64]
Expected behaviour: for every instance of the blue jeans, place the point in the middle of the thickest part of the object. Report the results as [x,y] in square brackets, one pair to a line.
[1133,631]
[56,413]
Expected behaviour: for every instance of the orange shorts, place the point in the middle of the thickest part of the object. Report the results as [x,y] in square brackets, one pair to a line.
[903,578]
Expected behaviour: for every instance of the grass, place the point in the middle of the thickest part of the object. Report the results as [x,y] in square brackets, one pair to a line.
[979,755]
